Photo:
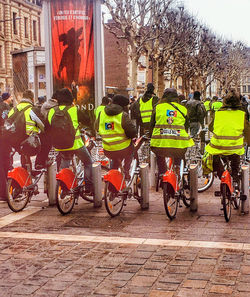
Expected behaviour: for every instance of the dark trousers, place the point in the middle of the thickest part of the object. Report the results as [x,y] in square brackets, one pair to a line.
[235,165]
[4,168]
[46,145]
[177,154]
[117,157]
[84,155]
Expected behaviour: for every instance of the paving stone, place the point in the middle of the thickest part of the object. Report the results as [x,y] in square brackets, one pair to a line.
[24,289]
[135,261]
[177,269]
[135,289]
[227,272]
[121,275]
[195,284]
[190,292]
[245,269]
[243,287]
[221,289]
[199,276]
[143,281]
[223,280]
[158,293]
[171,278]
[107,290]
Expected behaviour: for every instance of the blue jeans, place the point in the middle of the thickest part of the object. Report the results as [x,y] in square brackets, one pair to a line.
[84,155]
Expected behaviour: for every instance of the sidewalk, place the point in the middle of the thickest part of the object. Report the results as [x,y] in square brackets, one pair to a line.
[139,253]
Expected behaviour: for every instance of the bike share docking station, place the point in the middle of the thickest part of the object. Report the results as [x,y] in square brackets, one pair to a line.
[244,206]
[144,173]
[193,171]
[97,184]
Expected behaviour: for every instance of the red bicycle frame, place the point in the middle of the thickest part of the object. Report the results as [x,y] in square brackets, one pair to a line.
[227,179]
[67,177]
[21,176]
[170,177]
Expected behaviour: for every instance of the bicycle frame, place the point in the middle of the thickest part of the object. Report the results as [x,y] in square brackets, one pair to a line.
[171,178]
[227,179]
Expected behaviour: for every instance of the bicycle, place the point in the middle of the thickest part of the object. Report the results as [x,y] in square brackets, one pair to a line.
[23,184]
[194,155]
[117,190]
[230,193]
[175,190]
[70,185]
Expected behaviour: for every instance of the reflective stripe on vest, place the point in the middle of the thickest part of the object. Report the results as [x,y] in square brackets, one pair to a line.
[228,136]
[146,109]
[112,133]
[78,142]
[169,130]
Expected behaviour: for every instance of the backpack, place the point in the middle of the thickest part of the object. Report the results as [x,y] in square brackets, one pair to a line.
[14,128]
[62,129]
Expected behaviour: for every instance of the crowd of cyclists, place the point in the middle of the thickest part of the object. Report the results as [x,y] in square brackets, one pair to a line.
[171,123]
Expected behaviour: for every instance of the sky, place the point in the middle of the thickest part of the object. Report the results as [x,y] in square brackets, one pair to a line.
[226,18]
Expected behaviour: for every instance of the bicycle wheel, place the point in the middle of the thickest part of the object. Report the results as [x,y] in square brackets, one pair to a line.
[113,202]
[226,202]
[65,200]
[204,181]
[17,199]
[170,201]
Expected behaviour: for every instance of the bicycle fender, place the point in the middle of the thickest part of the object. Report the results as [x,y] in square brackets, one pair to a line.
[227,179]
[115,177]
[21,176]
[170,177]
[67,176]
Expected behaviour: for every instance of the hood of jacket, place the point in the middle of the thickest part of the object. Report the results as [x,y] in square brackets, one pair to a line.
[26,100]
[147,96]
[113,109]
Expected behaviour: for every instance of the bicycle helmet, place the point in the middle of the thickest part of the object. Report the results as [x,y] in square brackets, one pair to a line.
[31,146]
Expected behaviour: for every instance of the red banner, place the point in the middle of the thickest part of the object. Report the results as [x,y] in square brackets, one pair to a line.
[73,48]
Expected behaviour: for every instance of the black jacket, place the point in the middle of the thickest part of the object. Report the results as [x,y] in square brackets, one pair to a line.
[127,125]
[196,111]
[4,110]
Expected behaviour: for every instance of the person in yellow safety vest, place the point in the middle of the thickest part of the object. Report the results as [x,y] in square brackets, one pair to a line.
[168,130]
[143,108]
[27,102]
[77,116]
[207,104]
[105,101]
[216,105]
[117,131]
[229,126]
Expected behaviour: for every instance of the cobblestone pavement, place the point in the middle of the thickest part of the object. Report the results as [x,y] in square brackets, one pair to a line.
[139,253]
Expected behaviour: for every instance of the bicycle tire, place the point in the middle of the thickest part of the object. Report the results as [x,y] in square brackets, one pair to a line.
[65,201]
[170,201]
[204,182]
[16,198]
[226,202]
[113,202]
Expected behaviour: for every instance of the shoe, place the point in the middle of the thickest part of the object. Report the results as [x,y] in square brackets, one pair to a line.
[39,166]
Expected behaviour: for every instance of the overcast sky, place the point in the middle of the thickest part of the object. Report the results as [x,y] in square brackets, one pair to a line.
[230,18]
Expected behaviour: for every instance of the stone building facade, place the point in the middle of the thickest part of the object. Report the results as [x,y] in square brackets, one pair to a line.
[20,27]
[245,83]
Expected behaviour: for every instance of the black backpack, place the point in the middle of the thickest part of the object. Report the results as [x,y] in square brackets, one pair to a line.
[14,128]
[62,130]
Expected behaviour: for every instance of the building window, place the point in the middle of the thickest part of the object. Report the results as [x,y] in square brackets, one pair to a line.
[34,31]
[244,89]
[14,23]
[248,88]
[248,79]
[26,28]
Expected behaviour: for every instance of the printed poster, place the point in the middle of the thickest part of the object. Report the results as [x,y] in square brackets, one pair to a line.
[73,49]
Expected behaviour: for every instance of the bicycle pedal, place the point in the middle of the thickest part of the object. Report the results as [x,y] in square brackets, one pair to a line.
[217,193]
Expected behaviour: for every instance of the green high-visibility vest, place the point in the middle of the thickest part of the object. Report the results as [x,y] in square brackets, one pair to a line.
[112,133]
[98,110]
[227,136]
[169,130]
[146,109]
[30,124]
[207,105]
[78,142]
[216,105]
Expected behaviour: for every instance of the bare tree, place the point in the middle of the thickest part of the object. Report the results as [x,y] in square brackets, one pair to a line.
[135,21]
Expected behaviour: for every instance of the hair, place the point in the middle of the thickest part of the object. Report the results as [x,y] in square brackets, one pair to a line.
[28,94]
[232,98]
[105,100]
[197,95]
